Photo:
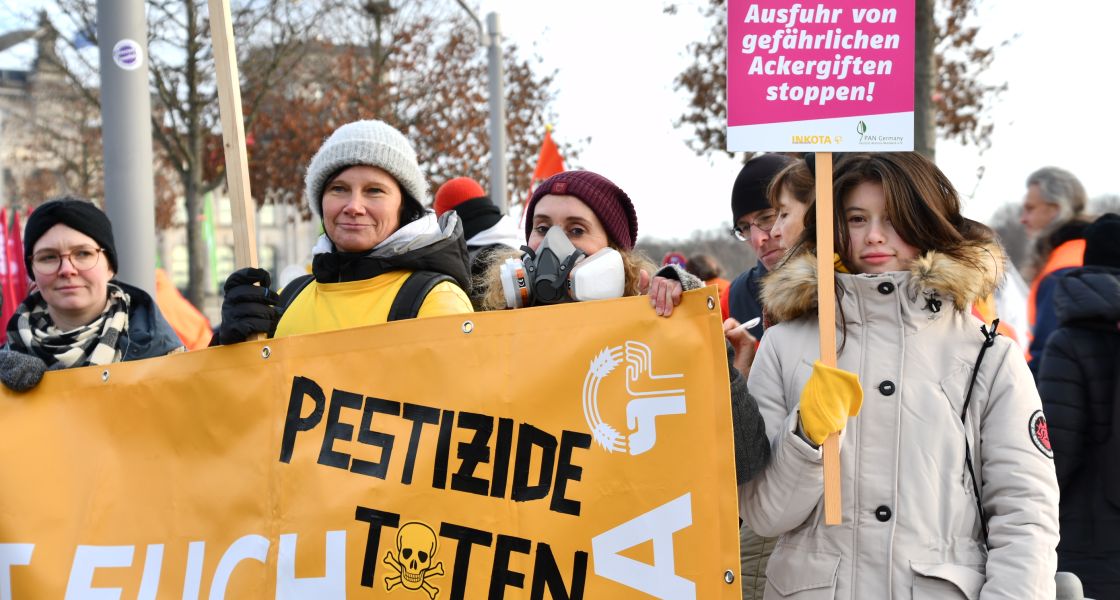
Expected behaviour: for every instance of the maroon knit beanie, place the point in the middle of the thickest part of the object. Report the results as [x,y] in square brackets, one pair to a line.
[609,203]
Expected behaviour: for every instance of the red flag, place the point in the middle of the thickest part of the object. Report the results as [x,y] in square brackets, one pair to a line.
[549,162]
[17,267]
[8,297]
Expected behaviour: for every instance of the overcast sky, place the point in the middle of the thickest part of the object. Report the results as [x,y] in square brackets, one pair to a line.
[616,61]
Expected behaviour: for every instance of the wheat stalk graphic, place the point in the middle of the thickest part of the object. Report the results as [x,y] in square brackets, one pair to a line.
[602,365]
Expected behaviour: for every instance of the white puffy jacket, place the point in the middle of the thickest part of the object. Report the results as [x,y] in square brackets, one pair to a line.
[911,526]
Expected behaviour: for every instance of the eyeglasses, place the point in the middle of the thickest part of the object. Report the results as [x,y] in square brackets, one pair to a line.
[49,262]
[764,223]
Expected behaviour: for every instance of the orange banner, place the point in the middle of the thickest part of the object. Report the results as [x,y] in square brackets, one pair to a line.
[575,451]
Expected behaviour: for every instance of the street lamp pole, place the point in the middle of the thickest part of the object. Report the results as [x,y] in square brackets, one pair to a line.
[497,115]
[122,32]
[492,39]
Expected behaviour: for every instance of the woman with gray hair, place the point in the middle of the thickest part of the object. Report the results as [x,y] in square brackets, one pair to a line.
[1054,195]
[1053,216]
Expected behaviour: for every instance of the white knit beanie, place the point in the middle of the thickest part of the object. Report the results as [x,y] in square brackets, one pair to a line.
[372,143]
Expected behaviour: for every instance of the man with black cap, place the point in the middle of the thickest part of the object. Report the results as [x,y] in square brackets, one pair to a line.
[753,217]
[1079,382]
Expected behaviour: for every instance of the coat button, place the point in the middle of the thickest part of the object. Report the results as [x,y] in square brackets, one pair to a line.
[883,513]
[886,388]
[886,287]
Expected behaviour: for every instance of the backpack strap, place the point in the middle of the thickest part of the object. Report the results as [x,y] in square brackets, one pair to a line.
[412,294]
[989,340]
[290,291]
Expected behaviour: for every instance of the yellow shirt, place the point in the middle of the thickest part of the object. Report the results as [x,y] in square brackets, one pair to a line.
[331,306]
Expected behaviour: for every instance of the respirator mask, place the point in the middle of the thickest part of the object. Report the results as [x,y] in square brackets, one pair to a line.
[558,272]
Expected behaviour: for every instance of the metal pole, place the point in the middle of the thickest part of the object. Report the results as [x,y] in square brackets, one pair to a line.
[126,124]
[497,115]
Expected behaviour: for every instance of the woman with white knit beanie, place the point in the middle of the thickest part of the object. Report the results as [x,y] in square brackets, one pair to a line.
[382,256]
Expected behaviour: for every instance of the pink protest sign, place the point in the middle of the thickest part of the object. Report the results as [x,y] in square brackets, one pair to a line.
[828,76]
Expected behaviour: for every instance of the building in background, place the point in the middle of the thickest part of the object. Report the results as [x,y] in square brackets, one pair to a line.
[38,126]
[50,144]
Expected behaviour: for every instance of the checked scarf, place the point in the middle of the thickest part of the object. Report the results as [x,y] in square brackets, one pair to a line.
[32,331]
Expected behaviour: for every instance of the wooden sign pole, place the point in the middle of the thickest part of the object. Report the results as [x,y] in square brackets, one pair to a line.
[233,136]
[826,321]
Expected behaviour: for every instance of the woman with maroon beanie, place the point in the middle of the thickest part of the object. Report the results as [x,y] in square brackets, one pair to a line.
[584,215]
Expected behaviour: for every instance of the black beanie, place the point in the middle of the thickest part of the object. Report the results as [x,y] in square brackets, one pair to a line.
[749,193]
[477,215]
[80,215]
[1102,241]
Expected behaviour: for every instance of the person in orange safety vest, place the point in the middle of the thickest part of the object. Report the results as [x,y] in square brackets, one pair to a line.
[1053,215]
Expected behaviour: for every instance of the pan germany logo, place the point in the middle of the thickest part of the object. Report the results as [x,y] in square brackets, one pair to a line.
[649,396]
[866,139]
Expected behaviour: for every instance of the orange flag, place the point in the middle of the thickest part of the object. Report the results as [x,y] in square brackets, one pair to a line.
[549,162]
[192,327]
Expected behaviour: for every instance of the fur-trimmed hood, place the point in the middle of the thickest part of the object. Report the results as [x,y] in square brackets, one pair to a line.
[791,290]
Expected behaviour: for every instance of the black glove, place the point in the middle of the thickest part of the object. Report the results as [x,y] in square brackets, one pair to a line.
[21,372]
[247,308]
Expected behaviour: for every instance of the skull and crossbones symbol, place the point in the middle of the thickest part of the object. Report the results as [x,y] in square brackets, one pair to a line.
[416,546]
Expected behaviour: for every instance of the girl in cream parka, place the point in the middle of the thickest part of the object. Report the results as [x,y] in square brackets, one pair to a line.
[946,494]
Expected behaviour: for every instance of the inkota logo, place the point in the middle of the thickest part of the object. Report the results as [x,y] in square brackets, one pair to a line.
[416,547]
[644,404]
[811,139]
[861,128]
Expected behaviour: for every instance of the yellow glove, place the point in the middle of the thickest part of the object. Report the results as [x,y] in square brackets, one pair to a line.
[830,396]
